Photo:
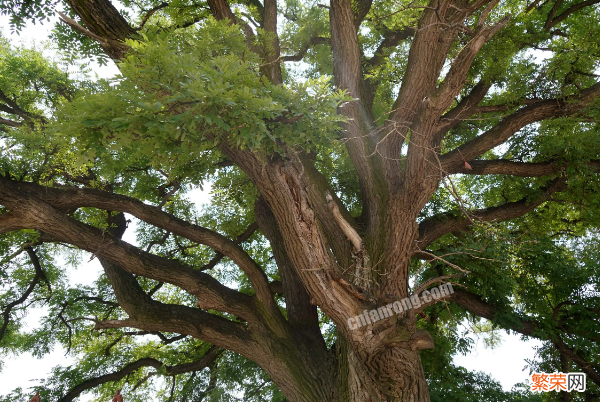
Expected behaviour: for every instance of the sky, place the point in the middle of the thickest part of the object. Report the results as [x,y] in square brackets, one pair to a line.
[505,363]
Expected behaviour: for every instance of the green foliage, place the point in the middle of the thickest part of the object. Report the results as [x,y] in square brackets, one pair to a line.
[179,95]
[21,11]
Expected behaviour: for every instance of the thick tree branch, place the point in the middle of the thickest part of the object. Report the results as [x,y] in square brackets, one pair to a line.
[6,109]
[14,107]
[582,363]
[435,104]
[102,22]
[95,299]
[271,68]
[317,186]
[163,338]
[520,169]
[433,228]
[205,361]
[221,10]
[10,123]
[277,288]
[150,13]
[464,109]
[301,314]
[359,132]
[76,26]
[71,198]
[476,305]
[552,21]
[429,49]
[391,39]
[256,342]
[39,215]
[513,123]
[416,107]
[454,81]
[238,240]
[361,9]
[10,222]
[150,315]
[290,192]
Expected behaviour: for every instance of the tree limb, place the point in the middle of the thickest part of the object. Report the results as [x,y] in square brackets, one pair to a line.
[102,22]
[391,39]
[361,8]
[163,338]
[433,228]
[41,216]
[10,222]
[302,315]
[520,169]
[150,13]
[359,133]
[463,110]
[513,123]
[238,240]
[418,105]
[221,10]
[315,40]
[476,305]
[271,53]
[39,274]
[552,21]
[14,107]
[454,81]
[205,361]
[70,198]
[10,123]
[583,364]
[150,315]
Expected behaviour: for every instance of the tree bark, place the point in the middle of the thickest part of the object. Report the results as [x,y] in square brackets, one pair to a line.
[102,22]
[394,375]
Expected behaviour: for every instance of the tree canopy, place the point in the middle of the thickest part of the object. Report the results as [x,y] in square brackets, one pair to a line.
[359,152]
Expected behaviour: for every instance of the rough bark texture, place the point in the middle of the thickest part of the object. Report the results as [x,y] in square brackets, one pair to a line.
[104,24]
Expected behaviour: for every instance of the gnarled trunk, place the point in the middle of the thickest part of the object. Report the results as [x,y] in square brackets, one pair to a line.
[393,375]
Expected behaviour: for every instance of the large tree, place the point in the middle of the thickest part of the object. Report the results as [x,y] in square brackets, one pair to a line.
[456,142]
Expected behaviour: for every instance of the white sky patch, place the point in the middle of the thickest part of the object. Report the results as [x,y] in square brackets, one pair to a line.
[36,36]
[505,363]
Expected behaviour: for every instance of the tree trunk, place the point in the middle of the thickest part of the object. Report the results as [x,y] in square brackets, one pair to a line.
[393,375]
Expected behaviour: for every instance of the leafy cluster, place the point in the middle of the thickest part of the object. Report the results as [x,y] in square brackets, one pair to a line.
[179,95]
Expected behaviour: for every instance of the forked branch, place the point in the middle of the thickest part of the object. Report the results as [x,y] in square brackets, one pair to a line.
[70,198]
[435,227]
[477,306]
[205,361]
[510,125]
